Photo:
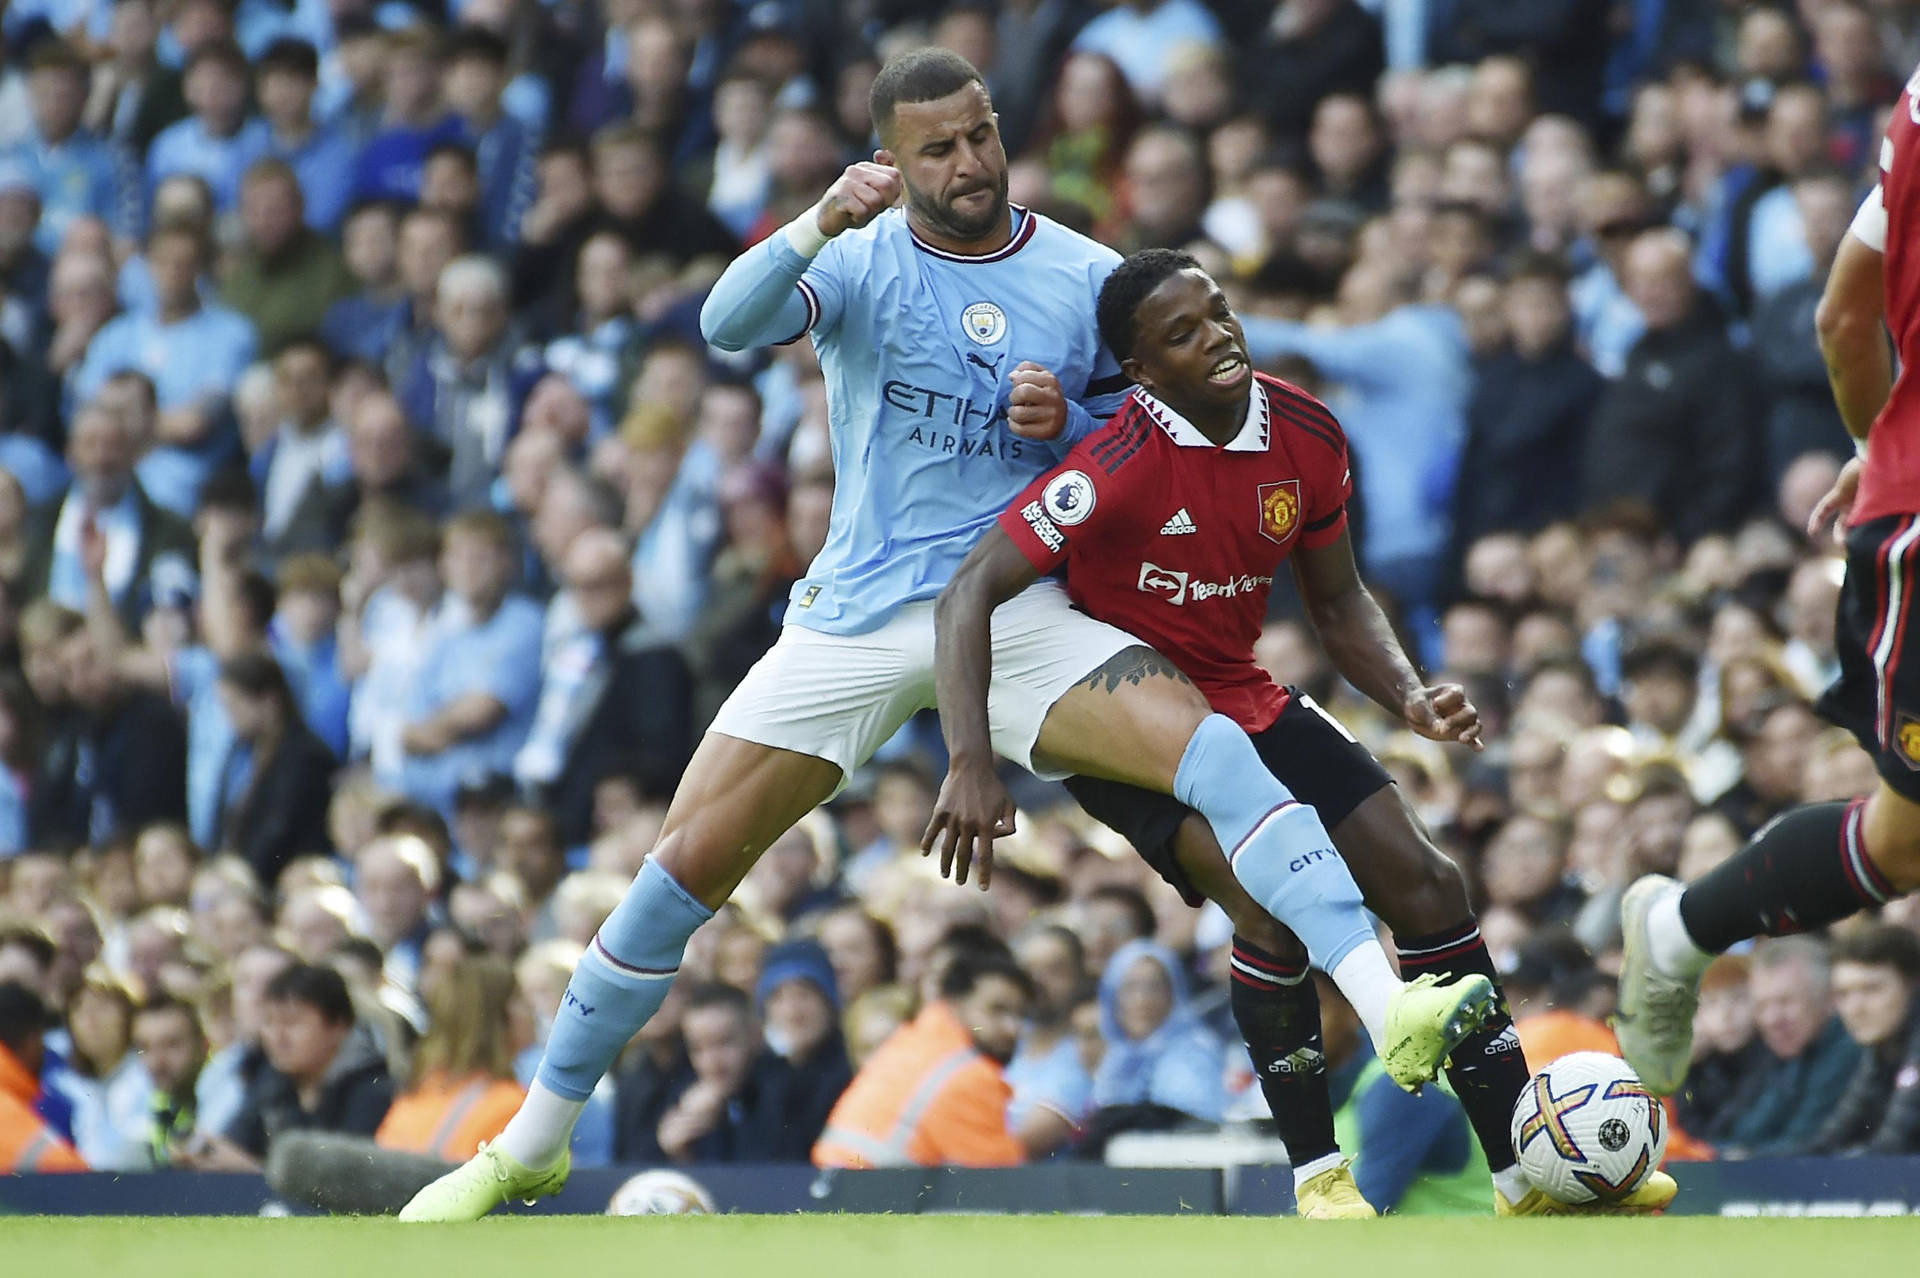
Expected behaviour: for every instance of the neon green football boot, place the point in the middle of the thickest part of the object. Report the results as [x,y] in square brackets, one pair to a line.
[1427,1020]
[485,1181]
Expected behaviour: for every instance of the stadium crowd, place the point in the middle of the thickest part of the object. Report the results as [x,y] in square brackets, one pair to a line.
[377,535]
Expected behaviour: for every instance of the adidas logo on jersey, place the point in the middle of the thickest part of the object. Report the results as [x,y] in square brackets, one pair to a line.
[1181,522]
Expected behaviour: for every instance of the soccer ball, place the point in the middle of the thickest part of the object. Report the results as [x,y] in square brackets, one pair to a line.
[661,1193]
[1588,1130]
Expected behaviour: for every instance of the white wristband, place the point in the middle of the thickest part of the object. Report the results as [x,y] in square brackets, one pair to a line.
[1860,448]
[805,235]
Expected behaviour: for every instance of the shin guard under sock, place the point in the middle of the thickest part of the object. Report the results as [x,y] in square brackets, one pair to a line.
[1278,1012]
[1488,1071]
[1804,870]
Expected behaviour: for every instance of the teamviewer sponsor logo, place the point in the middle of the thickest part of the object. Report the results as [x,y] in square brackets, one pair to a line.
[1043,528]
[1179,587]
[1168,584]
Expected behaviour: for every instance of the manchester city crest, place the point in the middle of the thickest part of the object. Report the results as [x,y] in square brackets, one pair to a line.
[984,322]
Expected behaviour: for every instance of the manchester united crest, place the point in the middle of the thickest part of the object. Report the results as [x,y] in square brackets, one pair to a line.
[1279,509]
[1908,738]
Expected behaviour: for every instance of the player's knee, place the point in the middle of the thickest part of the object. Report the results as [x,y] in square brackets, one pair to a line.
[697,865]
[1265,933]
[1433,895]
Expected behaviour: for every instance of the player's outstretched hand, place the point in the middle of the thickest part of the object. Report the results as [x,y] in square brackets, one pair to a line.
[1834,507]
[972,811]
[1036,407]
[857,196]
[1443,713]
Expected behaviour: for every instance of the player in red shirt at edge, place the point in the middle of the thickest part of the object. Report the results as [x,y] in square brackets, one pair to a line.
[1171,523]
[1821,862]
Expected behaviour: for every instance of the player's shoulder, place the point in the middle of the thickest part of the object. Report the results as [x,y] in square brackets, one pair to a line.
[1113,452]
[1297,410]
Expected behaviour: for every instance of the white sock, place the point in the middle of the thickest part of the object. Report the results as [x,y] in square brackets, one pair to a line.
[1512,1183]
[1669,944]
[1368,981]
[1307,1171]
[538,1133]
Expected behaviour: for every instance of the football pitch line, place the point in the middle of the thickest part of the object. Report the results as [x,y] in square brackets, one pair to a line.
[955,1247]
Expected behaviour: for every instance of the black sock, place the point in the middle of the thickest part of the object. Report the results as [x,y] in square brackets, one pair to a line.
[1487,1070]
[1278,1012]
[1804,870]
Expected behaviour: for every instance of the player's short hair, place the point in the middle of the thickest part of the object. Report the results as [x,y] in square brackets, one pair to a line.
[1880,945]
[1129,285]
[924,75]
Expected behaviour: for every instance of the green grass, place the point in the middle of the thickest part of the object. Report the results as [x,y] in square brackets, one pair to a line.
[954,1247]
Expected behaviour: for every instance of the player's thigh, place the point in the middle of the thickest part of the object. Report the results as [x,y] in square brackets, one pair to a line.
[812,710]
[1075,696]
[1891,829]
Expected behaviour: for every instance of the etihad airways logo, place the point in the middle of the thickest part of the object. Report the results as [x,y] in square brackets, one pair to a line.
[1178,587]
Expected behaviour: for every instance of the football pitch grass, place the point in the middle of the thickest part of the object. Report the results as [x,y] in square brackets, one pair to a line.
[955,1247]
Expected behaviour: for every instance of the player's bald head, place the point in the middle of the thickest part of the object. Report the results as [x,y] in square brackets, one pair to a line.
[923,75]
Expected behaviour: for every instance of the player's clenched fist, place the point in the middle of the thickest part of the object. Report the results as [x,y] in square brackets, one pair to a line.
[1036,406]
[862,193]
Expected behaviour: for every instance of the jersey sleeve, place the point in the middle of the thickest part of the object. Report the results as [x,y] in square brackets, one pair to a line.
[1067,502]
[1327,469]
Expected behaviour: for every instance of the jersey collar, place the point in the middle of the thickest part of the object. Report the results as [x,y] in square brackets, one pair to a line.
[1253,432]
[1024,225]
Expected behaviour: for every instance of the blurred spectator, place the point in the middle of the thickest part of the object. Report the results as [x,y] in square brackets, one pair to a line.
[1527,419]
[860,949]
[1144,38]
[1787,1100]
[192,352]
[285,275]
[321,155]
[957,1049]
[1876,972]
[413,119]
[218,140]
[1161,1065]
[101,1077]
[107,513]
[172,1049]
[118,763]
[286,784]
[471,699]
[468,384]
[614,696]
[322,1073]
[1306,50]
[463,1088]
[76,173]
[1726,1050]
[800,1007]
[1675,431]
[27,1143]
[732,1104]
[395,879]
[504,150]
[305,456]
[1802,417]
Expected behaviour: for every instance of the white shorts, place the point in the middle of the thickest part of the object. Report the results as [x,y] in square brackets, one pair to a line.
[839,697]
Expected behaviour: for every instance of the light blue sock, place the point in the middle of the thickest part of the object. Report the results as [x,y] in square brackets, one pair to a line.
[1278,849]
[620,981]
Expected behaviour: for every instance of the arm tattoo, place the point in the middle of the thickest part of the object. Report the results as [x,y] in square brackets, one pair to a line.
[1131,665]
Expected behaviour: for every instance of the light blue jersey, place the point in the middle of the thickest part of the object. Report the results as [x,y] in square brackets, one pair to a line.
[917,346]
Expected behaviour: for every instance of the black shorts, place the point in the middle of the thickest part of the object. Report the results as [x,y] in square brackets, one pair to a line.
[1309,752]
[1877,696]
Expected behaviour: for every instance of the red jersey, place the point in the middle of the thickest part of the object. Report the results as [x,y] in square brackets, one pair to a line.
[1176,540]
[1890,485]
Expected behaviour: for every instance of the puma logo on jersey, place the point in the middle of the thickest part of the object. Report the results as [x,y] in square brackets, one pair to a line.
[1181,523]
